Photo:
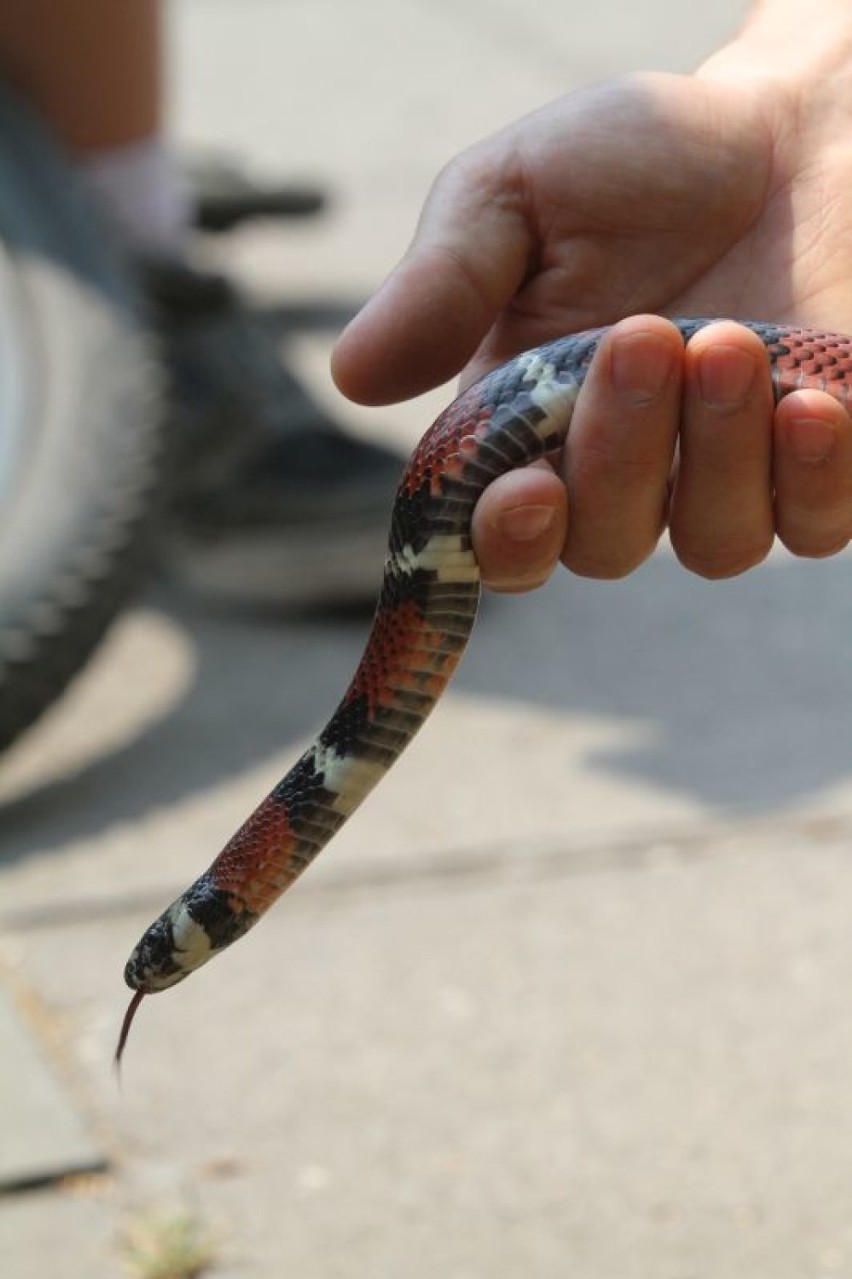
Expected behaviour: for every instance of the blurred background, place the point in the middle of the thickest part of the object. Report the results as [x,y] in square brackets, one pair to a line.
[569,994]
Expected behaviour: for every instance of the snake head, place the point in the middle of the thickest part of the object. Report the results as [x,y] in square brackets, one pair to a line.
[197,925]
[200,922]
[157,961]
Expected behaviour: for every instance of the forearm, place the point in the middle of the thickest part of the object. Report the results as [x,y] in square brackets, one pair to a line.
[783,38]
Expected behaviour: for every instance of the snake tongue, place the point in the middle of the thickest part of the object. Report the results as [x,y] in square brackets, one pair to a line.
[138,996]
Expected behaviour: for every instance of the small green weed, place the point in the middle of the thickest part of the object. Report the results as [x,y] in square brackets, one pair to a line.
[168,1246]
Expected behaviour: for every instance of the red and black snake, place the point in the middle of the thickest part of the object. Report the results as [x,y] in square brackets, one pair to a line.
[424,616]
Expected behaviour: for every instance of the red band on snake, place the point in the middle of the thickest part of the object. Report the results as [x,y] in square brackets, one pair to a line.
[424,616]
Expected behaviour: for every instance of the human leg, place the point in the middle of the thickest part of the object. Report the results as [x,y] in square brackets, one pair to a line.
[269,500]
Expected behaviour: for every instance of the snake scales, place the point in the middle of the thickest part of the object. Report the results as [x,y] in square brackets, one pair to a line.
[424,616]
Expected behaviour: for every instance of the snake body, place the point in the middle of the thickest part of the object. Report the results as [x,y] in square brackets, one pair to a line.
[425,613]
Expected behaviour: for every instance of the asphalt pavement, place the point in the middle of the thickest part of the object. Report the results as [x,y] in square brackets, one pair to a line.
[570,994]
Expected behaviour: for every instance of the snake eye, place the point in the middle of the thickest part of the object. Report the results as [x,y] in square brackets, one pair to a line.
[154,964]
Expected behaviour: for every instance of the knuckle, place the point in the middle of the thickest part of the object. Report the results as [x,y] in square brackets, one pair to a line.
[598,571]
[599,465]
[606,568]
[808,545]
[510,571]
[715,562]
[814,530]
[517,586]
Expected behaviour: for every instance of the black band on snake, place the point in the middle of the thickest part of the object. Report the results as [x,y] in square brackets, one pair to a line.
[424,616]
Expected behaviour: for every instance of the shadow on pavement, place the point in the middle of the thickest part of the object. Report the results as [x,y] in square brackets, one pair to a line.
[746,687]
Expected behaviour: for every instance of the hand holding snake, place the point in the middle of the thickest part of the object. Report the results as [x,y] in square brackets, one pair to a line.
[683,195]
[728,193]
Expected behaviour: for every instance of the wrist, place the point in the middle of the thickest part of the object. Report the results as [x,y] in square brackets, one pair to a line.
[781,41]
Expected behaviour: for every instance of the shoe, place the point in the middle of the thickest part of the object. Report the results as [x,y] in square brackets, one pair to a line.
[224,196]
[268,501]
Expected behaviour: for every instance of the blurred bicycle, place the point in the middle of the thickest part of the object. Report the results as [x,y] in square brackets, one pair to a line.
[84,466]
[80,426]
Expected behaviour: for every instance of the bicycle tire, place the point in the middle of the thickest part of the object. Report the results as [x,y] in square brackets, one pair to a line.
[80,423]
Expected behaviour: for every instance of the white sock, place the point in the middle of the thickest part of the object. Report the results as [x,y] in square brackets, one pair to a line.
[144,196]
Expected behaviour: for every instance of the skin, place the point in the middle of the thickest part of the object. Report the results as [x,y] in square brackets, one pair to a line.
[723,193]
[94,68]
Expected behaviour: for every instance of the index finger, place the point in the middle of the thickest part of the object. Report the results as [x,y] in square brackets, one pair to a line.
[469,256]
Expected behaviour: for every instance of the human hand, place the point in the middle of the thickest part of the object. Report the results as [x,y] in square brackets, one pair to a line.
[727,193]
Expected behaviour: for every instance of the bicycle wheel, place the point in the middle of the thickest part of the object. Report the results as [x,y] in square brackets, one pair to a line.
[79,424]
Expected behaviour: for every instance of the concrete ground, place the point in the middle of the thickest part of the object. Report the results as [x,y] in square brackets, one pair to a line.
[570,995]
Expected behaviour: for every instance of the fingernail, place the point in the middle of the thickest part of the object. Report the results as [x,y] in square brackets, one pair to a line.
[725,376]
[811,440]
[641,366]
[526,523]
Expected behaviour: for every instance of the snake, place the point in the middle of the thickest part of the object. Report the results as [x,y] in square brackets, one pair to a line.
[426,609]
